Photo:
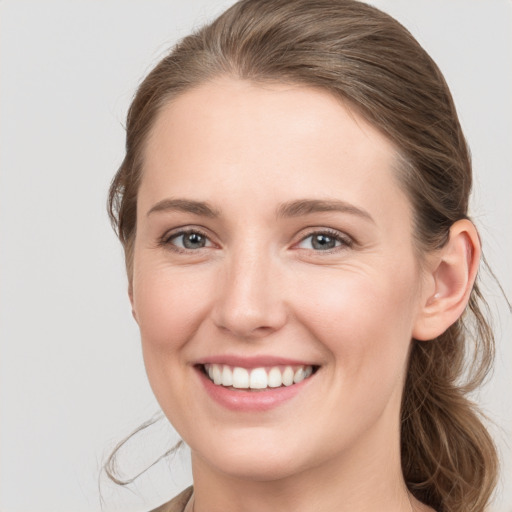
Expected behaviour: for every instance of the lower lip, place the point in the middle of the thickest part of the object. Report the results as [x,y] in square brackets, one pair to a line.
[241,400]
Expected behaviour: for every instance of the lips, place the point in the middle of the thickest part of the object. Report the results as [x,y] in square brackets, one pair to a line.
[254,384]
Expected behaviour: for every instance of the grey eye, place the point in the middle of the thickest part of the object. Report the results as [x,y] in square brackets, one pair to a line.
[189,240]
[321,242]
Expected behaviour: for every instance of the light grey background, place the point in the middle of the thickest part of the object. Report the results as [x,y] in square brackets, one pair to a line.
[72,381]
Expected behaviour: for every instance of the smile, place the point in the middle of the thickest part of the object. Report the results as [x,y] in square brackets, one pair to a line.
[257,378]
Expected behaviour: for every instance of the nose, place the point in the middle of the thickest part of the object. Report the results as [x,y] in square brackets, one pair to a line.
[250,301]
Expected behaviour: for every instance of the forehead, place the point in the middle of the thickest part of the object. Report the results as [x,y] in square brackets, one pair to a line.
[234,140]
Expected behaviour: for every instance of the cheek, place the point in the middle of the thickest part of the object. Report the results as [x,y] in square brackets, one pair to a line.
[365,323]
[169,306]
[363,318]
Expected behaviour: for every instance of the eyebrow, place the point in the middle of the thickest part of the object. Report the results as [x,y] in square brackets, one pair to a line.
[296,208]
[302,207]
[201,208]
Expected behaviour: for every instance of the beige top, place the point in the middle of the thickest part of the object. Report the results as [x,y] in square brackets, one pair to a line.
[178,503]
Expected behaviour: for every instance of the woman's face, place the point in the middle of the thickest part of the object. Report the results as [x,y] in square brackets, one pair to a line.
[273,239]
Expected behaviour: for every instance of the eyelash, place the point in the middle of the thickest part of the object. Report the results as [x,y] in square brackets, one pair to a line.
[165,241]
[345,240]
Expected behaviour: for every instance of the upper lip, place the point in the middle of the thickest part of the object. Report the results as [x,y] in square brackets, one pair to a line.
[252,362]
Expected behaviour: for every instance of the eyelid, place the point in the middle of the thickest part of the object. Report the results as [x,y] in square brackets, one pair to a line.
[346,240]
[165,239]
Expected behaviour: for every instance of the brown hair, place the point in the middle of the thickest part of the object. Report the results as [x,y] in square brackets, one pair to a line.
[368,59]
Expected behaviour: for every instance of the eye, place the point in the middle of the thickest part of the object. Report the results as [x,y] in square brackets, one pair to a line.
[325,240]
[187,240]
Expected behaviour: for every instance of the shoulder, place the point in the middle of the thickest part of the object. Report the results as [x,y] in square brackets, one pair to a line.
[177,504]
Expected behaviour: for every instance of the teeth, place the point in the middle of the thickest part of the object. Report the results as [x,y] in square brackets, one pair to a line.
[299,375]
[288,376]
[227,376]
[257,378]
[240,377]
[217,374]
[275,379]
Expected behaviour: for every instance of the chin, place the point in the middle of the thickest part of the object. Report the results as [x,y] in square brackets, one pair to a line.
[259,468]
[256,459]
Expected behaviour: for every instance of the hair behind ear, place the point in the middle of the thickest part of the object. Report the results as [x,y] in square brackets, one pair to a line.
[449,459]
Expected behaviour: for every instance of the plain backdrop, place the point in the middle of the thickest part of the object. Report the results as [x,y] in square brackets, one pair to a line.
[72,382]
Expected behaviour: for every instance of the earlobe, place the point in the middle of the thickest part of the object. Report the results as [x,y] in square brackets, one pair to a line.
[453,272]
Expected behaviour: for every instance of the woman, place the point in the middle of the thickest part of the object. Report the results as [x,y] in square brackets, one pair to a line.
[293,209]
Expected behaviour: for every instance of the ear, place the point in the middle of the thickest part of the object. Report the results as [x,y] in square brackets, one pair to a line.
[130,295]
[450,278]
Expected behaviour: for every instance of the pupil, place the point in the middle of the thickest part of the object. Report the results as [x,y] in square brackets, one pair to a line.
[323,242]
[193,241]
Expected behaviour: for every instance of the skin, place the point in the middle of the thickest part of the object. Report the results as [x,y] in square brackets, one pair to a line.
[259,286]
